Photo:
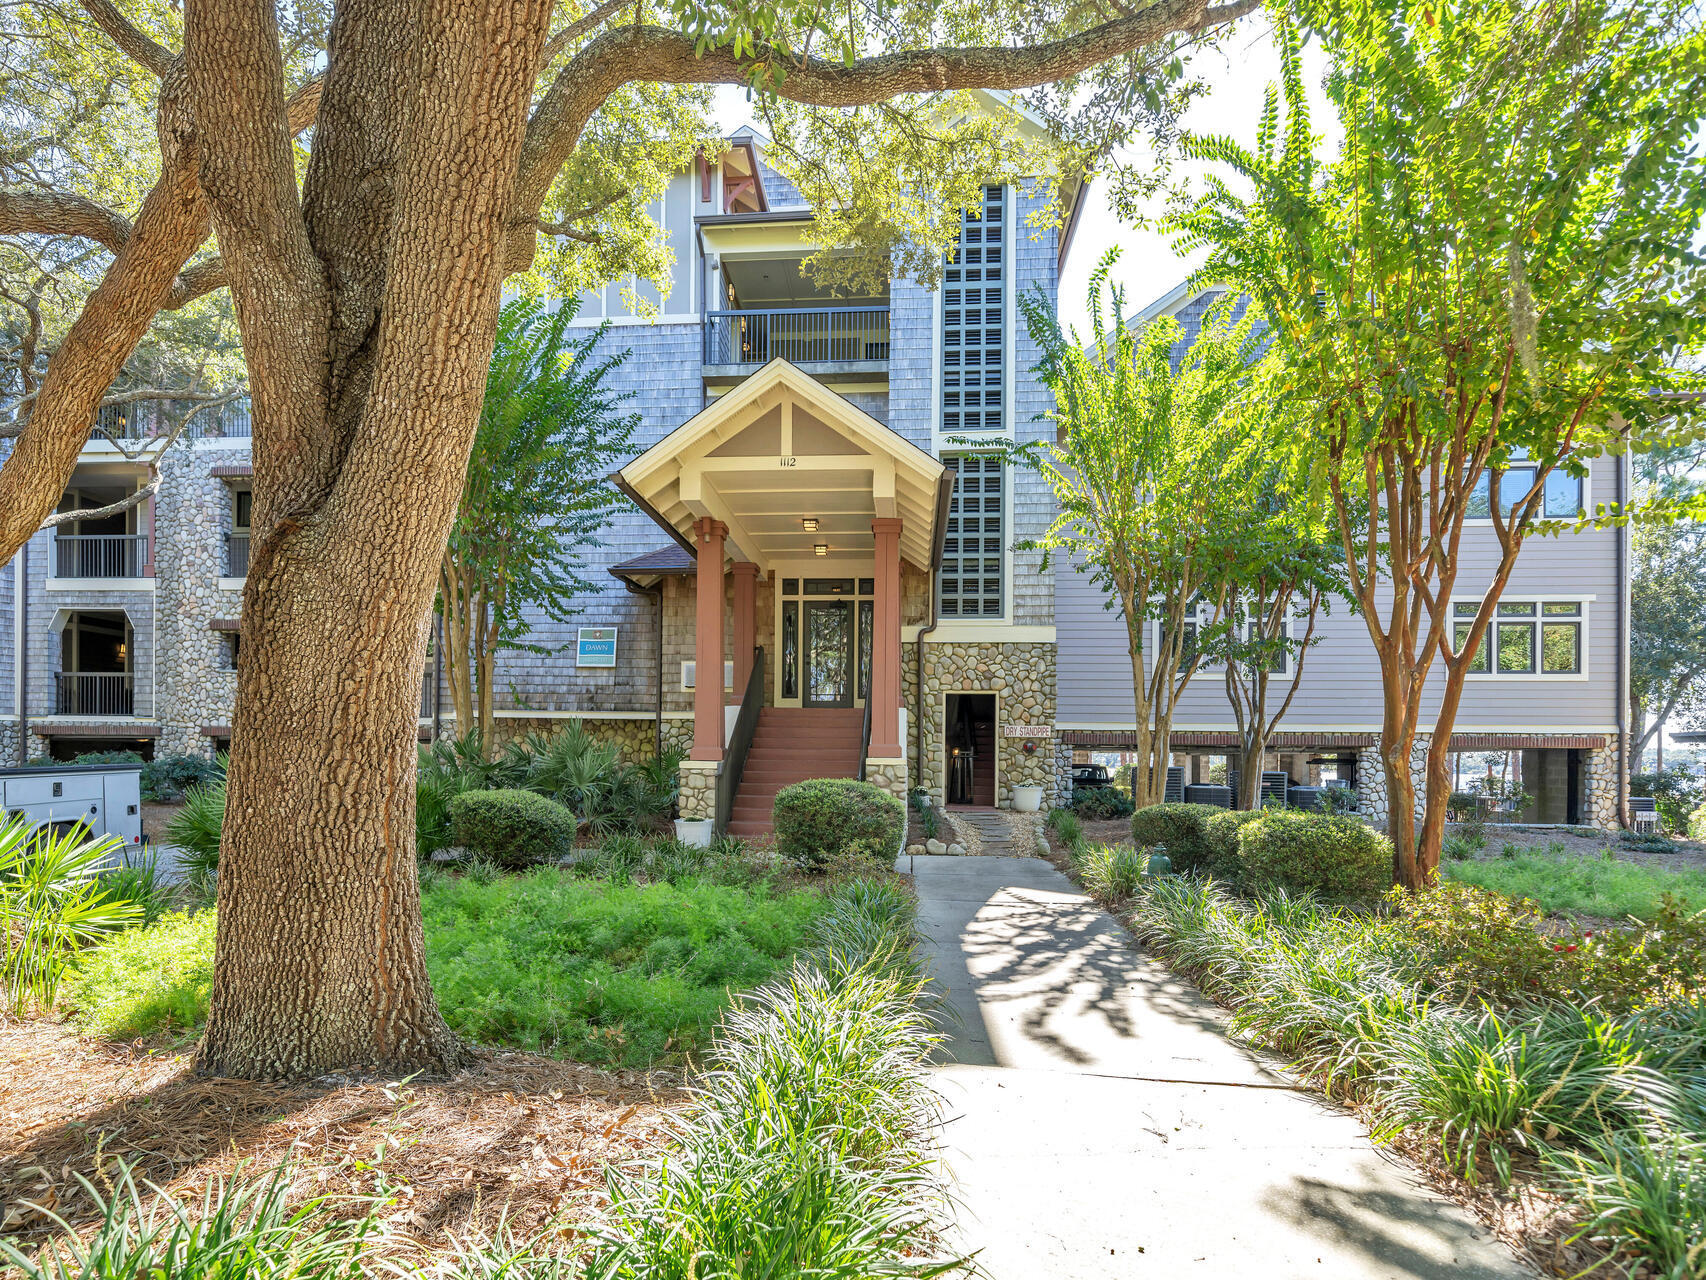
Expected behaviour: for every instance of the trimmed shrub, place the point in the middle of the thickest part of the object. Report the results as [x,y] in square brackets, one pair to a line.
[824,819]
[1180,828]
[1220,834]
[166,778]
[1097,804]
[1332,856]
[513,828]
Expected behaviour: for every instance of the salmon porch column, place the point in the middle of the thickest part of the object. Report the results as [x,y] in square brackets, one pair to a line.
[885,643]
[746,623]
[708,641]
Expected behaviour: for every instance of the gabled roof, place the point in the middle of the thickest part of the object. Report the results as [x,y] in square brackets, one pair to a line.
[780,448]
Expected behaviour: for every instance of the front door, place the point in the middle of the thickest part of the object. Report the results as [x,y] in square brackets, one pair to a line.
[829,653]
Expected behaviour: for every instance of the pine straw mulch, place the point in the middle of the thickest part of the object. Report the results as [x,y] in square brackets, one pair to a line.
[514,1137]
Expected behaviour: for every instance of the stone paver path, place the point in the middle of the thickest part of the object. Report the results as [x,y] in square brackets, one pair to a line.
[1102,1123]
[994,832]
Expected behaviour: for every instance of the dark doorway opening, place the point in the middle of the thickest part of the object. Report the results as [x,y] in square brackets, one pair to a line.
[971,749]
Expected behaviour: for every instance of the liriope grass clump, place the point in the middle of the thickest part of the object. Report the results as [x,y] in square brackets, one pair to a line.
[1605,1106]
[807,1148]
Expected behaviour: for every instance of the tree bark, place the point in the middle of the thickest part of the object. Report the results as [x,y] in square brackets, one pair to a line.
[320,959]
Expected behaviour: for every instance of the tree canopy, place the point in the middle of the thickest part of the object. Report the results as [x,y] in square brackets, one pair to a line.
[1151,473]
[1495,279]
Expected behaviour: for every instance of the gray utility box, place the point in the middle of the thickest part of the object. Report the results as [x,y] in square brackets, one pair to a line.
[106,798]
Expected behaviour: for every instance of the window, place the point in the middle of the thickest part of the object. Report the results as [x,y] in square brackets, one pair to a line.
[974,321]
[1525,637]
[241,502]
[229,648]
[1562,500]
[970,580]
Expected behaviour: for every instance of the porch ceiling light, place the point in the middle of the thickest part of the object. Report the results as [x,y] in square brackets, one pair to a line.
[809,523]
[821,549]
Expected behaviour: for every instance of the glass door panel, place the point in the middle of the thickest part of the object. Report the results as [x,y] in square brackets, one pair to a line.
[829,654]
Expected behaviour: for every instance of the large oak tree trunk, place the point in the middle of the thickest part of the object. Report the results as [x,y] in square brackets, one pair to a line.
[367,392]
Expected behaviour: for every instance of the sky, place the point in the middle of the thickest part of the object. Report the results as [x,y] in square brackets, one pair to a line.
[1238,73]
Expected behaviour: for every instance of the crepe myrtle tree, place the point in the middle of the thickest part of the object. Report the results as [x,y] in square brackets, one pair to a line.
[370,176]
[1150,480]
[1288,571]
[535,497]
[1492,283]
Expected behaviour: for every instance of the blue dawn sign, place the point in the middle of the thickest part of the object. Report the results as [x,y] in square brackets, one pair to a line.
[597,647]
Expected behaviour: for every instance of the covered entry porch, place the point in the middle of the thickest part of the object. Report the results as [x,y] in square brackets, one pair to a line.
[805,519]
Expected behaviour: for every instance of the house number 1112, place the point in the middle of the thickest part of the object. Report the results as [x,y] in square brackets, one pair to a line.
[788,461]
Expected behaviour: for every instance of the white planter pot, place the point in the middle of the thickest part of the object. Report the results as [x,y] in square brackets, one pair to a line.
[1027,799]
[694,831]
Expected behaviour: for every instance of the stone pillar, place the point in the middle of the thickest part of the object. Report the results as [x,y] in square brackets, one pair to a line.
[885,643]
[746,623]
[708,641]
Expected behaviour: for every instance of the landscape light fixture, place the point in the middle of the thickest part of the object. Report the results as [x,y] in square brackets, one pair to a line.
[809,523]
[821,549]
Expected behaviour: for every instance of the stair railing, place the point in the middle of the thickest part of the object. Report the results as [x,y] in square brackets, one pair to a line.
[733,763]
[865,736]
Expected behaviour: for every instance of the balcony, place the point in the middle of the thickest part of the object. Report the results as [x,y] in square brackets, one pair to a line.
[237,554]
[851,342]
[149,419]
[100,555]
[95,693]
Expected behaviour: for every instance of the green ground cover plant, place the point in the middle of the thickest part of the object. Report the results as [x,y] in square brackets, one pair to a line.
[624,974]
[1111,873]
[144,981]
[807,1151]
[1592,886]
[1602,1102]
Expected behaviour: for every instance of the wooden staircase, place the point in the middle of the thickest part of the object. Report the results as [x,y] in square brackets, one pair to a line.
[790,745]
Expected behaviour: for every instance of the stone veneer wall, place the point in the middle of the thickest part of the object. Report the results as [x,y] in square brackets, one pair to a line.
[1602,807]
[1371,780]
[1022,678]
[698,789]
[197,685]
[889,775]
[1601,797]
[634,740]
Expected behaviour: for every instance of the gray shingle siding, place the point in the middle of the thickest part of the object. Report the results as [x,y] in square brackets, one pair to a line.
[1341,676]
[662,374]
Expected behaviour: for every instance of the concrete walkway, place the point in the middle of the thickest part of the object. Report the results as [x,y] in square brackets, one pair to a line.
[1103,1124]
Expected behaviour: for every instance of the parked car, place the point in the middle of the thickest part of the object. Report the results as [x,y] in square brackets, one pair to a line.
[1090,775]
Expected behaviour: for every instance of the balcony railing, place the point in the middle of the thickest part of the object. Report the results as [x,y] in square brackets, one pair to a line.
[145,419]
[237,555]
[811,335]
[100,555]
[95,693]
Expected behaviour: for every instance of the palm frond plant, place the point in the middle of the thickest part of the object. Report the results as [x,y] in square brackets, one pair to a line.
[52,904]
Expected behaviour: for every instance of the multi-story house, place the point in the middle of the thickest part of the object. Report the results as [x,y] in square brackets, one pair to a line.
[816,576]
